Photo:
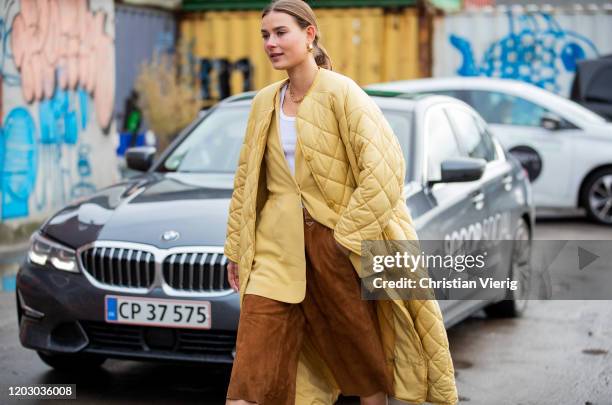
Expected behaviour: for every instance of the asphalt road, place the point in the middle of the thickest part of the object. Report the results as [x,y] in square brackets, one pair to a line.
[560,352]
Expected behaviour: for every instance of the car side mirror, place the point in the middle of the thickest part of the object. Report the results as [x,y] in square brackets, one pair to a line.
[550,122]
[140,158]
[461,169]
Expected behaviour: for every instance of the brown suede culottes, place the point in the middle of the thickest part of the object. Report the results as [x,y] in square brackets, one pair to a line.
[342,326]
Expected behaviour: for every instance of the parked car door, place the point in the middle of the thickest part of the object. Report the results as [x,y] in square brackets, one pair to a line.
[547,154]
[456,207]
[496,184]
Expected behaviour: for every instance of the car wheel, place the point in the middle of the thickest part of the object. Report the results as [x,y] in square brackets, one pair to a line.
[71,362]
[516,300]
[596,196]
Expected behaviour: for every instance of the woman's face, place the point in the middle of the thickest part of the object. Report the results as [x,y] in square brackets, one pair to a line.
[284,41]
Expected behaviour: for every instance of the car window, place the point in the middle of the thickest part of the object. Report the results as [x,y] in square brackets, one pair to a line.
[441,142]
[401,123]
[497,149]
[214,145]
[473,138]
[501,108]
[460,94]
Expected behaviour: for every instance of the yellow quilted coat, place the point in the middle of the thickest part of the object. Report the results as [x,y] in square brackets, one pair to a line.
[363,183]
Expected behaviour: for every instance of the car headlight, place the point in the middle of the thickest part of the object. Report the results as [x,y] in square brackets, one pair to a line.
[44,252]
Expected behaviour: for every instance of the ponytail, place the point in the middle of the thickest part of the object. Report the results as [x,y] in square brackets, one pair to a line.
[322,57]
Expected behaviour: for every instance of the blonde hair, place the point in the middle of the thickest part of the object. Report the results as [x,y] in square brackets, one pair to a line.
[304,16]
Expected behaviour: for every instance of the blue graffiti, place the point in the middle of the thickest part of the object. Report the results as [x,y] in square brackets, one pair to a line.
[60,123]
[83,187]
[532,52]
[18,163]
[83,107]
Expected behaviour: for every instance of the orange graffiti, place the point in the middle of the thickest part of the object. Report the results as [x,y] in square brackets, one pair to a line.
[61,40]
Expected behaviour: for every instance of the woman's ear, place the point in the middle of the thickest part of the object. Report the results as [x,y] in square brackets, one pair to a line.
[311,33]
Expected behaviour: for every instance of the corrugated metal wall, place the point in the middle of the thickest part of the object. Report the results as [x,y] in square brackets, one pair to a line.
[536,45]
[368,44]
[139,32]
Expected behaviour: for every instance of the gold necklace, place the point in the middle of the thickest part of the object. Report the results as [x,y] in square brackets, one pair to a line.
[291,96]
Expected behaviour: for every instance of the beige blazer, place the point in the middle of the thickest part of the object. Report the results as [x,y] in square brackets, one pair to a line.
[279,264]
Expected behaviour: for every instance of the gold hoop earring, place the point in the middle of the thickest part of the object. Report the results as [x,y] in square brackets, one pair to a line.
[310,48]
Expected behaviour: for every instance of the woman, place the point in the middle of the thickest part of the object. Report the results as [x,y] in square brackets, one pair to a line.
[320,170]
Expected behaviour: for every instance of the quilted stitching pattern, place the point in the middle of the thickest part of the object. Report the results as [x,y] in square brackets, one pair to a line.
[367,203]
[235,210]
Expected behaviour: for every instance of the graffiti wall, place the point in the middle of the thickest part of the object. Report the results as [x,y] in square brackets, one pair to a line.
[540,46]
[57,64]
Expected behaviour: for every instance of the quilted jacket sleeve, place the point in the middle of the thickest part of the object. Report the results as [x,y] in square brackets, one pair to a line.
[380,171]
[231,247]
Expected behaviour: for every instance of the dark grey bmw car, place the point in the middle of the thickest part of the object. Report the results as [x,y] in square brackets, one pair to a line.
[137,270]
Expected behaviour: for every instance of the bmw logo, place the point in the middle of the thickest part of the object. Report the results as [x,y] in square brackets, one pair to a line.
[170,235]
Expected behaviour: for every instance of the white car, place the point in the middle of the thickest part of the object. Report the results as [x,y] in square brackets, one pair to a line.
[566,148]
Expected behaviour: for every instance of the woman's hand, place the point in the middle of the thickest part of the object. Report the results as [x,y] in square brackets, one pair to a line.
[232,275]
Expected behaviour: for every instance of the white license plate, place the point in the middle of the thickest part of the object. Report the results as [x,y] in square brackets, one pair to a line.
[157,312]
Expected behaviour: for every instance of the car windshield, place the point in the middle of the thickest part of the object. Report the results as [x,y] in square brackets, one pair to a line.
[498,106]
[213,146]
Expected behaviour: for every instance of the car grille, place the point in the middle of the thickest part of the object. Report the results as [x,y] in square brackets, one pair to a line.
[191,272]
[120,267]
[198,272]
[106,336]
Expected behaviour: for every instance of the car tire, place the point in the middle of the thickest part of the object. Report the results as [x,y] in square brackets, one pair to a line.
[595,196]
[515,303]
[71,362]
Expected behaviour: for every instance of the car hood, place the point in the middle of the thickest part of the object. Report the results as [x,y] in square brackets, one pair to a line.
[140,210]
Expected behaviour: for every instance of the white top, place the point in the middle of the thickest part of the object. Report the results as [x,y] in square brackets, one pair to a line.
[287,134]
